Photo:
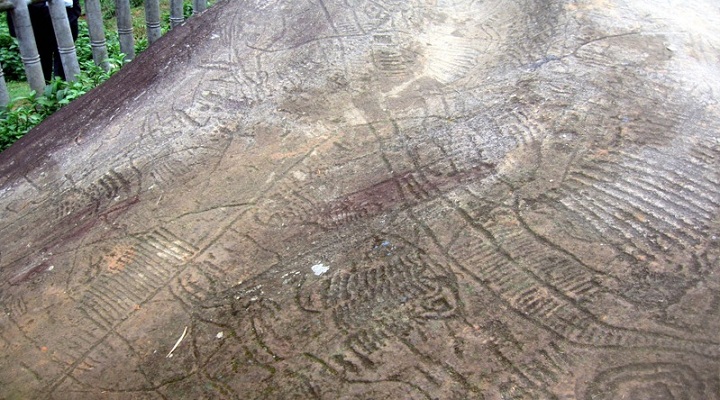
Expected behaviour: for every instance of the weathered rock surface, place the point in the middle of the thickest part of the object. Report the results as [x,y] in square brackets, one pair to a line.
[378,199]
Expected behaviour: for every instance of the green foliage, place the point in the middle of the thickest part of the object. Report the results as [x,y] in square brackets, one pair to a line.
[165,16]
[82,44]
[16,122]
[10,58]
[113,44]
[59,92]
[108,9]
[23,113]
[26,112]
[10,54]
[141,44]
[18,89]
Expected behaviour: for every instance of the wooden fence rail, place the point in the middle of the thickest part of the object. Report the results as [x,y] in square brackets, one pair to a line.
[66,45]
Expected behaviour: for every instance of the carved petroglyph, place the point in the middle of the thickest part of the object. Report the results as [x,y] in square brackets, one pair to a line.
[387,296]
[650,381]
[373,199]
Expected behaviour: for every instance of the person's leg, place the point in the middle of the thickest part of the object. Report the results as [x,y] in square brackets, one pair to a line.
[44,38]
[46,57]
[74,29]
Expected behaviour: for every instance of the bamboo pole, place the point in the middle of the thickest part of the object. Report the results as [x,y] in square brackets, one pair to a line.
[4,94]
[176,13]
[125,32]
[152,20]
[97,33]
[28,49]
[199,6]
[63,35]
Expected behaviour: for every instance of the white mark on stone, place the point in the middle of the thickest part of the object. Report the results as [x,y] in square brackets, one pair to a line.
[170,354]
[299,175]
[319,269]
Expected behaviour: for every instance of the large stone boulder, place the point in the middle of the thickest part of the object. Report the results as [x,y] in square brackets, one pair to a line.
[368,199]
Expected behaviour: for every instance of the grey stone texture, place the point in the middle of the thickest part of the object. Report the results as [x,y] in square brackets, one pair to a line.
[356,199]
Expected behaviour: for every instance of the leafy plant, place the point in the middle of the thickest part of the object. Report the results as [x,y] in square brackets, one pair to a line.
[108,8]
[165,16]
[24,113]
[141,44]
[83,49]
[14,123]
[10,58]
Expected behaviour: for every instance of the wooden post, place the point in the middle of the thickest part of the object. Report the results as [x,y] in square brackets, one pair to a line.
[177,16]
[4,94]
[63,35]
[125,32]
[152,20]
[97,33]
[199,6]
[28,49]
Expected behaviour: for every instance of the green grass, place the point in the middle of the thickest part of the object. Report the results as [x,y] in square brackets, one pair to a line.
[18,89]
